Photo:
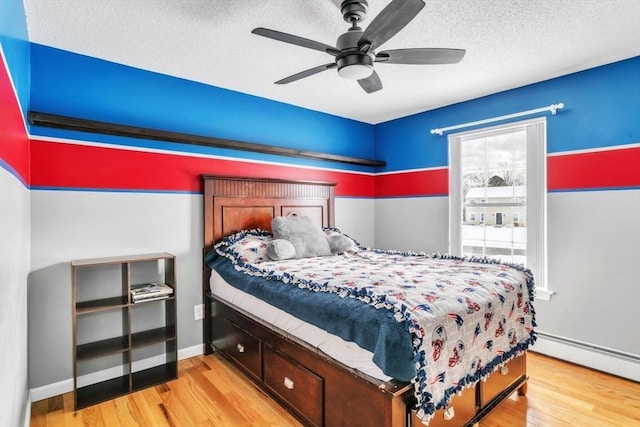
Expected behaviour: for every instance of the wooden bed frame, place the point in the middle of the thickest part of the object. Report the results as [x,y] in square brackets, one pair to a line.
[317,389]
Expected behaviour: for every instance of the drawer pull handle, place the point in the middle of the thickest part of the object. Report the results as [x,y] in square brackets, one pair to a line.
[288,383]
[240,348]
[504,370]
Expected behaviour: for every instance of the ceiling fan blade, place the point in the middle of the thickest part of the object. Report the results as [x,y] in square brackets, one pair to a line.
[372,83]
[421,56]
[306,73]
[392,19]
[295,40]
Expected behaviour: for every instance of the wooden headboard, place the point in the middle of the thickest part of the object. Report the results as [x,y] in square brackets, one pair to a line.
[232,204]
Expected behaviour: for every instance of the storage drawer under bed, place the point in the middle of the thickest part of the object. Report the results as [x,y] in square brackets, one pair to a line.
[502,379]
[465,405]
[244,348]
[293,383]
[463,408]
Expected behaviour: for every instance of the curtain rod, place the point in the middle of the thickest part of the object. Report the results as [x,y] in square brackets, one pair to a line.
[553,108]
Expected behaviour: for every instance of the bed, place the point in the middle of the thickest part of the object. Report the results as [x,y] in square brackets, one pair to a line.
[325,379]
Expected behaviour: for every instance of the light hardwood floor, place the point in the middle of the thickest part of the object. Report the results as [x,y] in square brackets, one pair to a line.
[210,392]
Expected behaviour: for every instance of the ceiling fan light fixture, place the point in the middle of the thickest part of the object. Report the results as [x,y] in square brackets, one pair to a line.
[355,66]
[355,71]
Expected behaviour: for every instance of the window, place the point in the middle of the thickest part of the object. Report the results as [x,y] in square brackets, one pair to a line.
[500,173]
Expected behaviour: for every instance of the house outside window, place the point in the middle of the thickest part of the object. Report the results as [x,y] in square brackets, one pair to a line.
[498,175]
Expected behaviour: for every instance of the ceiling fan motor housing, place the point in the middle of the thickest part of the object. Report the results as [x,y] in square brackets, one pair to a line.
[352,62]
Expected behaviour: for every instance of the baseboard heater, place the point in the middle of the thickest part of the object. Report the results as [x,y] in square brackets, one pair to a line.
[591,347]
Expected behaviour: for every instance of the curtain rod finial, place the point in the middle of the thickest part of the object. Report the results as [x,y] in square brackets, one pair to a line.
[555,107]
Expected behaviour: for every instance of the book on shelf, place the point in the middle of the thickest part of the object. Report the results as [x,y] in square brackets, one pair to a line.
[147,291]
[151,298]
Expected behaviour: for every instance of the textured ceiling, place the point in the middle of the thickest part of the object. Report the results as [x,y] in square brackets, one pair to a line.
[508,43]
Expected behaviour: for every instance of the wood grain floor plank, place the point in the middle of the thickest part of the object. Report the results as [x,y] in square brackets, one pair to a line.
[147,412]
[207,395]
[151,397]
[71,417]
[39,413]
[180,414]
[92,417]
[210,392]
[237,389]
[112,416]
[202,407]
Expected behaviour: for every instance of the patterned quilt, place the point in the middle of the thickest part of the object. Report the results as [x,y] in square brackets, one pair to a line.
[467,316]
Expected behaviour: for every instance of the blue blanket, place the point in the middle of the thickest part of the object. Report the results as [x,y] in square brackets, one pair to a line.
[373,329]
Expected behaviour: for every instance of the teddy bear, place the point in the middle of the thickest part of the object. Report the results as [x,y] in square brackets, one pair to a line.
[297,236]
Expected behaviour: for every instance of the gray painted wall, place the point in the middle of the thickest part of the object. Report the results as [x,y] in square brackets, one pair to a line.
[14,269]
[594,241]
[593,250]
[356,218]
[69,225]
[417,224]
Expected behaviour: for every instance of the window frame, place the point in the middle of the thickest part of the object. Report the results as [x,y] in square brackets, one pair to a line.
[536,180]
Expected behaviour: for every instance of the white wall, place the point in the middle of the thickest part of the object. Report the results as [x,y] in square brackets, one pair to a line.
[14,269]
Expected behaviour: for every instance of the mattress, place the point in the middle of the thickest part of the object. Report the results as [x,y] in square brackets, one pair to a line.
[345,352]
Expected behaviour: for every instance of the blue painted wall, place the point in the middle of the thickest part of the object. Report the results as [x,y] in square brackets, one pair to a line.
[602,108]
[81,86]
[15,45]
[74,85]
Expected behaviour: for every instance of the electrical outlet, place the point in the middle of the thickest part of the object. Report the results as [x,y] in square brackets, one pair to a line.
[198,311]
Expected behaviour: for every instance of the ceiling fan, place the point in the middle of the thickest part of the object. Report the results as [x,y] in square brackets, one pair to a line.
[354,54]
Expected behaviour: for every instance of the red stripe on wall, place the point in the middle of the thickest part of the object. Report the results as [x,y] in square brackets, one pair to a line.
[617,168]
[77,166]
[74,166]
[14,144]
[433,182]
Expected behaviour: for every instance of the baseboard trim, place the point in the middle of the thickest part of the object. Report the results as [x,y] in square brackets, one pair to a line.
[50,390]
[196,350]
[588,355]
[65,386]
